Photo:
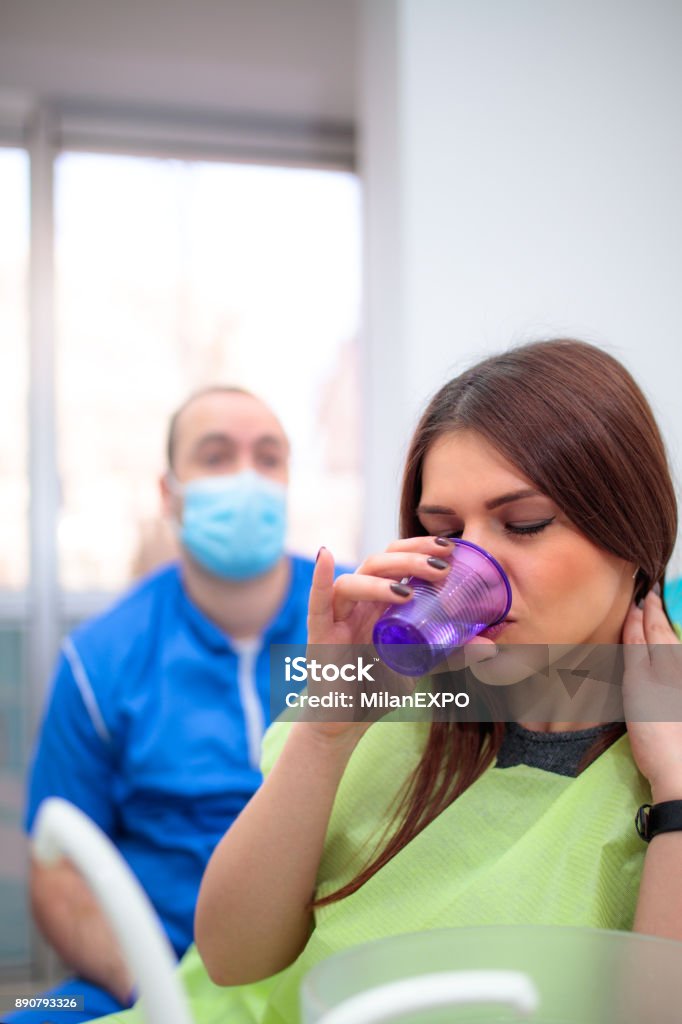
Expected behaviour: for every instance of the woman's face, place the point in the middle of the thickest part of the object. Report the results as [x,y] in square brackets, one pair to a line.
[566,590]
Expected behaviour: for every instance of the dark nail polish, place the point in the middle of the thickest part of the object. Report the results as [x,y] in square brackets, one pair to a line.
[657,589]
[401,589]
[437,563]
[640,603]
[319,553]
[445,542]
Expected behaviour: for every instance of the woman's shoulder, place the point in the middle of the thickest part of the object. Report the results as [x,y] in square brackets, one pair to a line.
[388,747]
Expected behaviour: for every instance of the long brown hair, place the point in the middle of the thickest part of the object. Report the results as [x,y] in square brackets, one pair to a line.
[573,420]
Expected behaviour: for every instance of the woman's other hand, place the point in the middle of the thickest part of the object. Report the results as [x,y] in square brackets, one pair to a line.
[652,687]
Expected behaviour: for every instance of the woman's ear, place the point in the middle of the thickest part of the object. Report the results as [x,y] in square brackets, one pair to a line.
[642,584]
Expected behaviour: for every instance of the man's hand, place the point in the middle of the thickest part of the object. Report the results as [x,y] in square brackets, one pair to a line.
[72,922]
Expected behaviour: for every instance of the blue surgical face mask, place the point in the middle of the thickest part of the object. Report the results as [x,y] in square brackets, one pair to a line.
[233,526]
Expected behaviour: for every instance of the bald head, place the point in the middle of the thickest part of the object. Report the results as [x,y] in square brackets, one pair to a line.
[224,430]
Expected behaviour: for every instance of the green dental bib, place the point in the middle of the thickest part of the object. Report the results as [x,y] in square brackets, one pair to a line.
[520,846]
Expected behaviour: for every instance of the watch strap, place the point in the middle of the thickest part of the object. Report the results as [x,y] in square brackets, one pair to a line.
[652,819]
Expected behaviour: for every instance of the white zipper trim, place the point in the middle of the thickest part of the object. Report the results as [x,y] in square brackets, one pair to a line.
[85,688]
[254,720]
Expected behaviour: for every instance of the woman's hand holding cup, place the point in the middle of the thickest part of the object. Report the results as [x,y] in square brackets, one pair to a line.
[342,612]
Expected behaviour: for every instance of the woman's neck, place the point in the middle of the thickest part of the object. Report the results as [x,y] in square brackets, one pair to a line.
[581,689]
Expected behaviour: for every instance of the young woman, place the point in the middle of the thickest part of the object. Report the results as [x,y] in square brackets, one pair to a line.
[549,458]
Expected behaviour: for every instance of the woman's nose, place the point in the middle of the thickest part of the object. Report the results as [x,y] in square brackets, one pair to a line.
[484,540]
[485,577]
[481,538]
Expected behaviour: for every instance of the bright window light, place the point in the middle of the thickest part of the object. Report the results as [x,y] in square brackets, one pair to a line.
[172,275]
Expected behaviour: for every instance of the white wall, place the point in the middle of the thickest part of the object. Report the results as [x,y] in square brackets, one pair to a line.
[521,160]
[538,151]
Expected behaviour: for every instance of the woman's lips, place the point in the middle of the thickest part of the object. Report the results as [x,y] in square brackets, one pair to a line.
[492,632]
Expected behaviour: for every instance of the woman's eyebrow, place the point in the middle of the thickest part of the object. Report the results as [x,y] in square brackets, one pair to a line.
[504,499]
[435,510]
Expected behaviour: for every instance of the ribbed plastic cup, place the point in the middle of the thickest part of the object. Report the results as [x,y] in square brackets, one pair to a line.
[412,638]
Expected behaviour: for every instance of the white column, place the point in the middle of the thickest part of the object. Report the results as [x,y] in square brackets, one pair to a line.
[44,501]
[383,367]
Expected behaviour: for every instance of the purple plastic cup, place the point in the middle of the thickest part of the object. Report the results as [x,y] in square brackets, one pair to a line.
[412,638]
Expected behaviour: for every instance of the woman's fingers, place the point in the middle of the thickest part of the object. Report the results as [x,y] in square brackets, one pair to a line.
[376,580]
[653,664]
[633,627]
[636,664]
[443,546]
[353,587]
[398,565]
[321,600]
[657,629]
[664,647]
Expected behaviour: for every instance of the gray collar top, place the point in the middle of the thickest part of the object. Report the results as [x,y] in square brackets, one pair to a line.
[558,752]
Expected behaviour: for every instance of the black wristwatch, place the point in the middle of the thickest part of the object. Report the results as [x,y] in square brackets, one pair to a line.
[654,818]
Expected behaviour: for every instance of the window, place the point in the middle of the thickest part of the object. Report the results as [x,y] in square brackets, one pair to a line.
[13,368]
[169,275]
[172,275]
[14,928]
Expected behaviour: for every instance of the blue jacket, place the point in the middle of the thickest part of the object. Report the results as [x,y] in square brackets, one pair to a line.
[153,728]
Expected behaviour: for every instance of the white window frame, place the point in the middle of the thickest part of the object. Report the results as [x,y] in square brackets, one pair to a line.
[44,130]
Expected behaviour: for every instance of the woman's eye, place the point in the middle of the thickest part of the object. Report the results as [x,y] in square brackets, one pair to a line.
[516,529]
[527,529]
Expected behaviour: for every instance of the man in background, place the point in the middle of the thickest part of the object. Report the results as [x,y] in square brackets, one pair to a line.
[158,706]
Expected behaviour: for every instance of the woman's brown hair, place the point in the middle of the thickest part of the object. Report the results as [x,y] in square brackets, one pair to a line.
[573,420]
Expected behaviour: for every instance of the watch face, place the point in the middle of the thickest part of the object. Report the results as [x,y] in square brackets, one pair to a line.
[652,819]
[642,821]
